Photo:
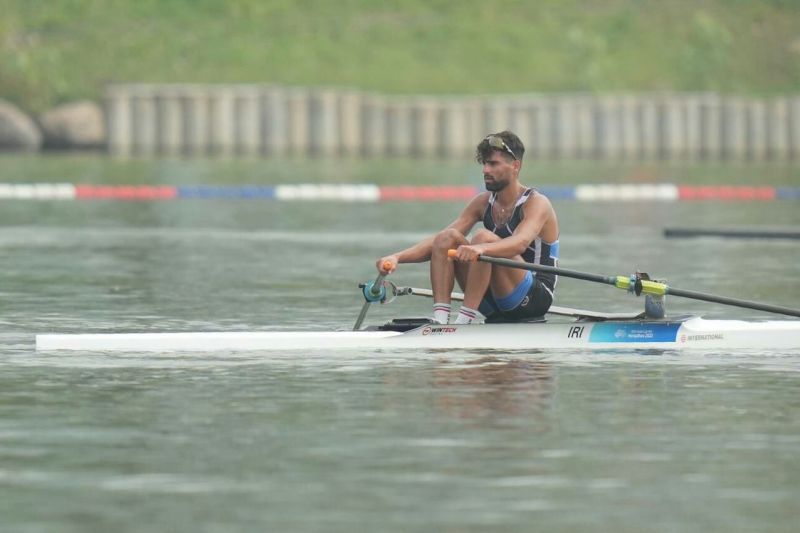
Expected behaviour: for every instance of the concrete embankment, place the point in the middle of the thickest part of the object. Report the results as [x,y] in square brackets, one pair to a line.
[267,120]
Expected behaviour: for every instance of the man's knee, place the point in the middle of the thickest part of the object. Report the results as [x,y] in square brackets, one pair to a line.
[448,238]
[483,236]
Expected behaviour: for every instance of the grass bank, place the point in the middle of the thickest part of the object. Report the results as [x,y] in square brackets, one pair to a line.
[63,50]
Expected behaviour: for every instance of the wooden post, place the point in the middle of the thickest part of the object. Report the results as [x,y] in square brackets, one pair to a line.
[374,126]
[274,121]
[454,128]
[734,140]
[247,110]
[118,118]
[196,120]
[144,121]
[693,126]
[299,121]
[221,128]
[674,128]
[399,129]
[712,127]
[169,118]
[651,130]
[778,129]
[535,121]
[756,129]
[566,131]
[425,127]
[497,114]
[323,123]
[521,122]
[585,126]
[794,127]
[350,123]
[630,143]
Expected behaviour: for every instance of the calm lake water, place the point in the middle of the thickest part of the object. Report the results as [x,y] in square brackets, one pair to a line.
[373,440]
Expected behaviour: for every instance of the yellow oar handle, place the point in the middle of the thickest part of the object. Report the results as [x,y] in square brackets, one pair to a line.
[648,286]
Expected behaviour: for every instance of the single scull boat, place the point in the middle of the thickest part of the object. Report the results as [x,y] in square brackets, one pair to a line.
[678,333]
[564,328]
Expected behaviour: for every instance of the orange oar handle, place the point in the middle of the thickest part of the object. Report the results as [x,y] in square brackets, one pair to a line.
[452,253]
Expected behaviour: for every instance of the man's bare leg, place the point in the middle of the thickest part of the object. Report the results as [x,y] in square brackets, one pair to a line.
[477,283]
[444,271]
[483,276]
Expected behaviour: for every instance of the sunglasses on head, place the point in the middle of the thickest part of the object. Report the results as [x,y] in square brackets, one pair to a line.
[498,143]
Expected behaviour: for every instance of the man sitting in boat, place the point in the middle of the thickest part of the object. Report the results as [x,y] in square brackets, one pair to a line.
[518,223]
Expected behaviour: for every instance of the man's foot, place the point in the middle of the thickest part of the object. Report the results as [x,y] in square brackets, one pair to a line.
[441,313]
[467,315]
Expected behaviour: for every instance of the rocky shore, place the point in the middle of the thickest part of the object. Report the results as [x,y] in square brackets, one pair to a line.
[72,126]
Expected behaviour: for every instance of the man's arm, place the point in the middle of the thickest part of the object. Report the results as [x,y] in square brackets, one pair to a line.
[421,251]
[536,212]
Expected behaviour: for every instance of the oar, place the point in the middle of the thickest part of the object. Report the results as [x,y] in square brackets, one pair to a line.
[637,285]
[373,292]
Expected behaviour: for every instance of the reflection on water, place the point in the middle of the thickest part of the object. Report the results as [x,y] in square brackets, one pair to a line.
[490,389]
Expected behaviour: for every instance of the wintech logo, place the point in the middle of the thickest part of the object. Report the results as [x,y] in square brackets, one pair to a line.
[438,330]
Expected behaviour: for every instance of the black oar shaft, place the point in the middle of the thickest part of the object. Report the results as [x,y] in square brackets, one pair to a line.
[586,276]
[615,281]
[733,301]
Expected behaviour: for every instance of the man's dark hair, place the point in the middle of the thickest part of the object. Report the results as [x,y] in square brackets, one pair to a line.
[484,149]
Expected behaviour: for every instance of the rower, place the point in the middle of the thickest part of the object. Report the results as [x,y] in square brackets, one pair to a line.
[519,223]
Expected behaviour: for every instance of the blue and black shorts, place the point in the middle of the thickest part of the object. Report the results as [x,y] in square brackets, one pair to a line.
[530,299]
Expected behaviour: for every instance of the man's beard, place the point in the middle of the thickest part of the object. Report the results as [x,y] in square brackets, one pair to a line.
[496,184]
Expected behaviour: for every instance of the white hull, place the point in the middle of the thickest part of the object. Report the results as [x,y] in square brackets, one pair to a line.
[691,333]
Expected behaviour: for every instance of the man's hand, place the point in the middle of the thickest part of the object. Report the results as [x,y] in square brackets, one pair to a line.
[468,252]
[387,265]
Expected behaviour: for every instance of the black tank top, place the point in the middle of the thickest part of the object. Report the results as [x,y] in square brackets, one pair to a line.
[538,251]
